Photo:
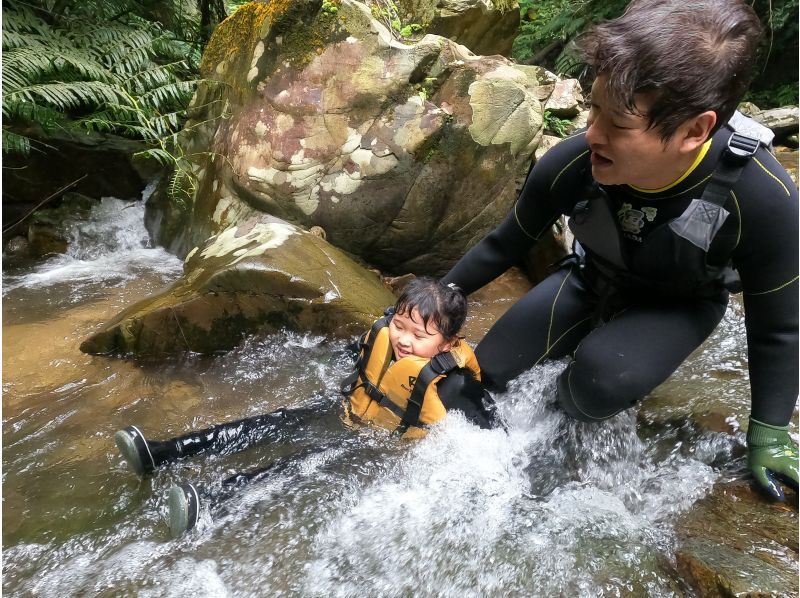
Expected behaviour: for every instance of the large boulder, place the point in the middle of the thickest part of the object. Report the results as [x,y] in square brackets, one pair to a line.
[406,154]
[261,275]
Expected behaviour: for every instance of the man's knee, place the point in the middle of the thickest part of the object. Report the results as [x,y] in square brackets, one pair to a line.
[593,393]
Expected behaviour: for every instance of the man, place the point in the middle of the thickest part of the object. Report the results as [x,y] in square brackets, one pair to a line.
[664,204]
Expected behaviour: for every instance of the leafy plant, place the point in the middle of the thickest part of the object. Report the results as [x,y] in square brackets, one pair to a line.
[556,125]
[547,26]
[94,66]
[387,12]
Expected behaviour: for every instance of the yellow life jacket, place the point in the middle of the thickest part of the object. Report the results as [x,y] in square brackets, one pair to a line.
[399,395]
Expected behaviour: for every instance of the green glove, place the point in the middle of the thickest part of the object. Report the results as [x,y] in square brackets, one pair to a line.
[772,455]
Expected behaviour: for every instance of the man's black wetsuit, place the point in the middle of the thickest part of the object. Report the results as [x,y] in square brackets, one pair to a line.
[646,331]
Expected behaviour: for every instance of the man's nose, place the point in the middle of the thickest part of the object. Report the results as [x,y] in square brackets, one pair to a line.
[595,133]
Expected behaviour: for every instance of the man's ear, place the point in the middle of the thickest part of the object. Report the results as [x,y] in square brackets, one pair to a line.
[696,131]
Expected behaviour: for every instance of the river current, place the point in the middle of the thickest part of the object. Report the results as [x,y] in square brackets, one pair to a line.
[547,507]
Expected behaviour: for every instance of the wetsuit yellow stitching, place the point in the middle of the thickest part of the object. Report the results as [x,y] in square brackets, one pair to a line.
[558,176]
[575,403]
[773,176]
[678,194]
[739,217]
[558,340]
[553,309]
[522,228]
[697,160]
[783,286]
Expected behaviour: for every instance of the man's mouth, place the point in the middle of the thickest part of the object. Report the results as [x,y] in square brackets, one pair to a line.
[598,160]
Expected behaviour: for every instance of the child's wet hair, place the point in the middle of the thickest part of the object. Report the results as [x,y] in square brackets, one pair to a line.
[443,305]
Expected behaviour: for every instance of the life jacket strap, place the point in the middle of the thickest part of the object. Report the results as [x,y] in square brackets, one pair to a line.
[365,344]
[733,161]
[439,365]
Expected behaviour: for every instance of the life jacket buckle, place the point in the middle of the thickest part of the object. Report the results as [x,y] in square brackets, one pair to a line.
[742,148]
[442,363]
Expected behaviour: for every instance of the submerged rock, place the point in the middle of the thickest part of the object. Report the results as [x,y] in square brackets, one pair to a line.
[261,275]
[736,543]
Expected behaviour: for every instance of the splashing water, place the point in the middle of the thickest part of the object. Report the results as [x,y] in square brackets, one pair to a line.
[109,248]
[545,507]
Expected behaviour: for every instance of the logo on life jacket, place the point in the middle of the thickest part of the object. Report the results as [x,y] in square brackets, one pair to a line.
[411,381]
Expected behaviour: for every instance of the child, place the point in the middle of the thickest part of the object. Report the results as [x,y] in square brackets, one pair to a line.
[411,368]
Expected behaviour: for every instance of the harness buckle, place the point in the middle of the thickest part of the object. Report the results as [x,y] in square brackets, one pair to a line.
[742,148]
[441,363]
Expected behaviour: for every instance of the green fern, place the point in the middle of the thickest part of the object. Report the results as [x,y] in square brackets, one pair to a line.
[96,65]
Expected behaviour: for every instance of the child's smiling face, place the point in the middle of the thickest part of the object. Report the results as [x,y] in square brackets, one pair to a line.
[408,336]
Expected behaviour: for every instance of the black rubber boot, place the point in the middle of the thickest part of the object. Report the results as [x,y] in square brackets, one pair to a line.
[142,455]
[184,509]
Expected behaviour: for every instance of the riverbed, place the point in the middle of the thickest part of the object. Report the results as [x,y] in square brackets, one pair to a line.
[547,507]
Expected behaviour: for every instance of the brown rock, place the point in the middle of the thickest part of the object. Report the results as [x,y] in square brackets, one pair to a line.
[734,542]
[406,154]
[262,275]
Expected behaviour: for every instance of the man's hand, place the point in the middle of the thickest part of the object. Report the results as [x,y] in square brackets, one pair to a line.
[772,456]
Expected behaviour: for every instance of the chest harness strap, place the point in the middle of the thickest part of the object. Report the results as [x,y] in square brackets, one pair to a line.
[597,230]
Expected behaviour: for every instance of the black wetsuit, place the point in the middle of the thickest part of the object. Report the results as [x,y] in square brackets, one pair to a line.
[623,349]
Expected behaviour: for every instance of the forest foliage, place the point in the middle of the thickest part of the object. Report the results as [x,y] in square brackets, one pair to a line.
[126,67]
[130,67]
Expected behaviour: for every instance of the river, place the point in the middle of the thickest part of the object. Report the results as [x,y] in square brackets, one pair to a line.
[549,507]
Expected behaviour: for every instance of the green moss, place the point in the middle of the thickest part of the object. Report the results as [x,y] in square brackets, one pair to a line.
[238,35]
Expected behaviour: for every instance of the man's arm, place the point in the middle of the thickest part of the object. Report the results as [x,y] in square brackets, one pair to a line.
[537,208]
[767,261]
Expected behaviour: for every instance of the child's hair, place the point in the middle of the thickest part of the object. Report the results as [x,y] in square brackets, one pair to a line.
[444,305]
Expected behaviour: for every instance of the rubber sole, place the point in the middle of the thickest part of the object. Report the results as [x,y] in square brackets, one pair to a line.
[184,509]
[133,446]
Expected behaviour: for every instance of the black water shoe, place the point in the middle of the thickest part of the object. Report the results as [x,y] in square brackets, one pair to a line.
[133,446]
[184,509]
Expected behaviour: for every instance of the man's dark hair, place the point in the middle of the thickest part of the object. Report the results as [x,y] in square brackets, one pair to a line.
[688,56]
[443,305]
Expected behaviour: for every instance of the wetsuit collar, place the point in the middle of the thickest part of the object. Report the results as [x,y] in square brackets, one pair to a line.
[701,154]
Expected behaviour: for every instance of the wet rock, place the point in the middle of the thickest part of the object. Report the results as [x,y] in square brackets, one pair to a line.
[782,121]
[566,99]
[736,543]
[65,158]
[17,245]
[45,239]
[261,275]
[406,154]
[483,26]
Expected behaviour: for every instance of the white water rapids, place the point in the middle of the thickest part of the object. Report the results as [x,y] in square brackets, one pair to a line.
[548,507]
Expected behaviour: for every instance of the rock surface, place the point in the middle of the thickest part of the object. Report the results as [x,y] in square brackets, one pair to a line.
[261,275]
[483,26]
[406,154]
[735,543]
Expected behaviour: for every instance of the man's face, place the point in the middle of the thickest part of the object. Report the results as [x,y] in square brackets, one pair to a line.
[624,150]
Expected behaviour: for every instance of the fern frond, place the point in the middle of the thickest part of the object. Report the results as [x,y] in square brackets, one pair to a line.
[171,94]
[68,95]
[45,116]
[161,156]
[14,143]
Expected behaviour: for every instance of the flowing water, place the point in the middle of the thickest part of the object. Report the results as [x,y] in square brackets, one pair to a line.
[548,507]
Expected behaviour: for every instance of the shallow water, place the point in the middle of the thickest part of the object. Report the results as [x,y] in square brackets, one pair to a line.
[548,507]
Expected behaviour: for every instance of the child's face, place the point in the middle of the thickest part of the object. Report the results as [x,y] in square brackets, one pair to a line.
[408,336]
